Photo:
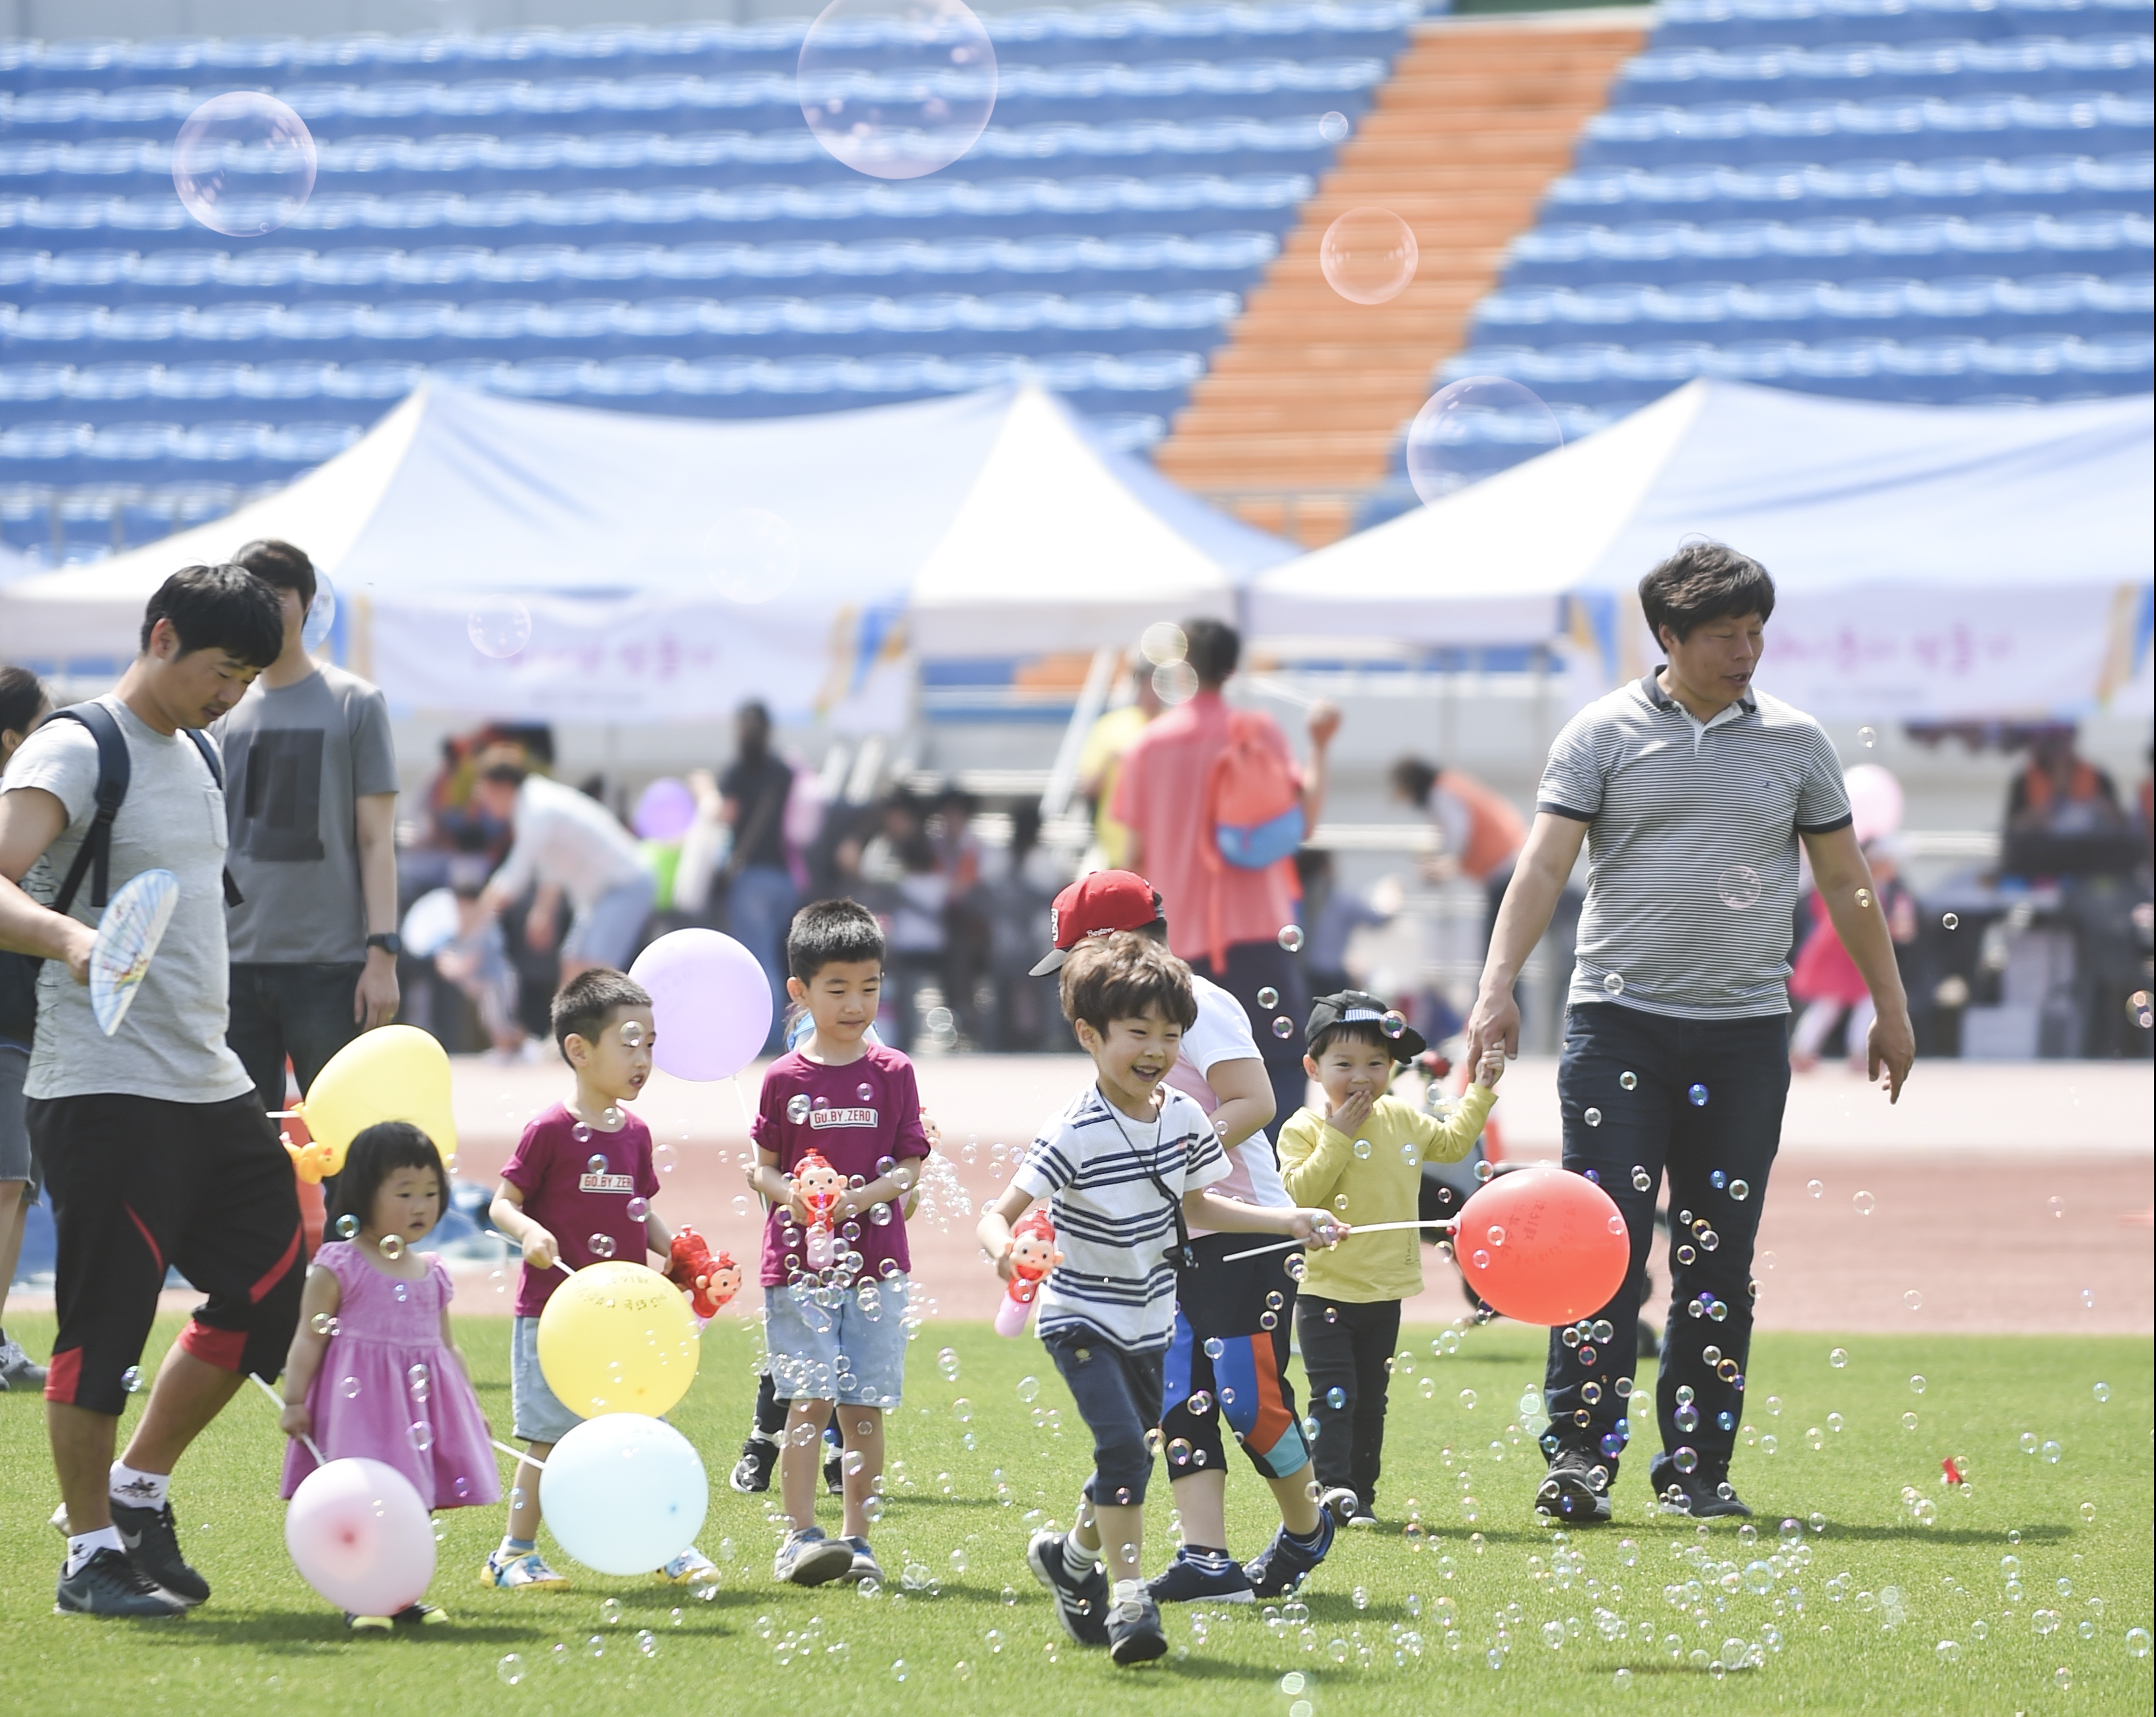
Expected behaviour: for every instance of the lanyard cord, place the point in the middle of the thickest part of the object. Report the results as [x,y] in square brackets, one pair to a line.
[1184,1256]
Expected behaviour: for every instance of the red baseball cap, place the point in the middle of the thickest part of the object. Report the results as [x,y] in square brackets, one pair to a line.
[1094,905]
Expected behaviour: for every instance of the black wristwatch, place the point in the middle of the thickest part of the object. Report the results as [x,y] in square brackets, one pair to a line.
[389,942]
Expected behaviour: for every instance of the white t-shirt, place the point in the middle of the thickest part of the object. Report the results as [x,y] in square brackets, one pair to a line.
[171,1044]
[567,839]
[1113,1225]
[1223,1033]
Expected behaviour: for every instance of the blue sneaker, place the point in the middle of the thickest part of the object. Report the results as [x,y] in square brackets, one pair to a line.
[1081,1605]
[1284,1563]
[1184,1582]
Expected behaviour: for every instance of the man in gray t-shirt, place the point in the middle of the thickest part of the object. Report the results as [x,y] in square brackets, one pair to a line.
[156,1154]
[1692,791]
[311,800]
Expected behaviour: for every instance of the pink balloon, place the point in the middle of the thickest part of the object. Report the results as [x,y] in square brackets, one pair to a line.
[1874,800]
[1543,1245]
[709,1000]
[664,810]
[359,1535]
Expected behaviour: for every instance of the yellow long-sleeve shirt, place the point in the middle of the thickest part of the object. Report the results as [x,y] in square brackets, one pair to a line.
[1319,1163]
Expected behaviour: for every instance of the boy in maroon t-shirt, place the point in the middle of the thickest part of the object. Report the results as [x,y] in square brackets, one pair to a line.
[577,1190]
[836,1331]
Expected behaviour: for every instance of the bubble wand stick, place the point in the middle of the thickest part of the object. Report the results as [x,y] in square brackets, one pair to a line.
[1448,1224]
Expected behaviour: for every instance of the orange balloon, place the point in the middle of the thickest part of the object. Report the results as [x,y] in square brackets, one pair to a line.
[1542,1246]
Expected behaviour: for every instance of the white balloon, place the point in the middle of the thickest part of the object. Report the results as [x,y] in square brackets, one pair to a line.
[359,1535]
[623,1494]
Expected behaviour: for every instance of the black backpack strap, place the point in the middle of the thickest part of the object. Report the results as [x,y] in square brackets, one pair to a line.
[215,764]
[114,769]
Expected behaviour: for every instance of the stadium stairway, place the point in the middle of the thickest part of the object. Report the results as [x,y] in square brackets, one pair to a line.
[1301,408]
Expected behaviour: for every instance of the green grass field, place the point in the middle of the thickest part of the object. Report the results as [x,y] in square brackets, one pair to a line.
[1396,1623]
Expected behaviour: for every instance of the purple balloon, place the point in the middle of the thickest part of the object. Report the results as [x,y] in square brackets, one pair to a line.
[709,1000]
[664,810]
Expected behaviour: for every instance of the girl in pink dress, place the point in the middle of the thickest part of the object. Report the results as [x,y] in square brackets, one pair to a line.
[374,1369]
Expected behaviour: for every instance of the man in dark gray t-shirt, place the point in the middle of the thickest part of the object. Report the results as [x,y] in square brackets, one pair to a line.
[1691,791]
[311,797]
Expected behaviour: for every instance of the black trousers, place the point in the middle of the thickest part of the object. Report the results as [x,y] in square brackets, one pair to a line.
[302,1011]
[1348,1348]
[1705,1108]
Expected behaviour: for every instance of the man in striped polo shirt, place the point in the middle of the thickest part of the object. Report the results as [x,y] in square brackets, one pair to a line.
[1691,791]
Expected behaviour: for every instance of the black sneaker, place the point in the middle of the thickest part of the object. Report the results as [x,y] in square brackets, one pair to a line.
[1134,1629]
[1081,1605]
[1285,1564]
[1701,1495]
[108,1584]
[152,1539]
[1570,1494]
[834,1475]
[1183,1581]
[752,1474]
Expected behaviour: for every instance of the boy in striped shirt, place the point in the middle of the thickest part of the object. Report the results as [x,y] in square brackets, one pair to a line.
[1126,1168]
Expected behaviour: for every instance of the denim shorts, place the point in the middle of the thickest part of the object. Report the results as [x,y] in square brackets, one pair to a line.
[18,1160]
[537,1413]
[827,1344]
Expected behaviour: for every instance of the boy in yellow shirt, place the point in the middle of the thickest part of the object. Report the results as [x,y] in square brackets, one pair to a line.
[1364,1159]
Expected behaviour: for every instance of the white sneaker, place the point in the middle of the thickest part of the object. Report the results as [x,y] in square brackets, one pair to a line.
[18,1370]
[528,1572]
[692,1565]
[810,1559]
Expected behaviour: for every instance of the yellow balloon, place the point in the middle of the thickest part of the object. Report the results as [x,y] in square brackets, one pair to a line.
[395,1073]
[618,1338]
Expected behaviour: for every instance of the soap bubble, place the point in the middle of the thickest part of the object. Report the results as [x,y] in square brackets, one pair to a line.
[1869,735]
[582,1132]
[1950,920]
[1641,1180]
[636,1209]
[1916,1384]
[1816,1188]
[1630,1081]
[391,1248]
[1290,938]
[1269,996]
[749,555]
[1336,1398]
[1332,127]
[2102,1392]
[632,1033]
[797,1108]
[324,1324]
[1163,642]
[1739,887]
[1864,1204]
[499,626]
[1394,1023]
[1283,1026]
[1175,683]
[417,1380]
[130,1380]
[1368,255]
[1474,429]
[420,1435]
[896,88]
[321,615]
[866,1093]
[601,1245]
[1613,984]
[596,1164]
[347,1226]
[1593,1117]
[1913,1300]
[509,1670]
[1838,1358]
[1028,1388]
[1686,1460]
[2141,1009]
[243,164]
[349,1388]
[1696,1096]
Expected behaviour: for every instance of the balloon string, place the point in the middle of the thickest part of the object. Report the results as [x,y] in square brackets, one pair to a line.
[522,1455]
[277,1400]
[1359,1228]
[742,1104]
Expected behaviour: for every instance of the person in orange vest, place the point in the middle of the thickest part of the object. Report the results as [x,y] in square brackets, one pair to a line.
[2059,792]
[1481,830]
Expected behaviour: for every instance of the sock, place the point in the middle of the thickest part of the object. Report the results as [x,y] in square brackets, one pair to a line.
[1206,1558]
[82,1545]
[1077,1559]
[137,1489]
[1310,1540]
[517,1547]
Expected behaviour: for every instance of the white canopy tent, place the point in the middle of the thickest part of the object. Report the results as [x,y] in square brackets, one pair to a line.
[1931,563]
[644,551]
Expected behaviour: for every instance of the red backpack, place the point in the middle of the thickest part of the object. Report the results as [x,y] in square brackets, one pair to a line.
[1253,804]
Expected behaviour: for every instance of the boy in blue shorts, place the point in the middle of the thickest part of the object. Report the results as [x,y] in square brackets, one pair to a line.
[835,1332]
[1127,1167]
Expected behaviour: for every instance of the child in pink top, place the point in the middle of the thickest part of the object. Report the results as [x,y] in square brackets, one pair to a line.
[374,1369]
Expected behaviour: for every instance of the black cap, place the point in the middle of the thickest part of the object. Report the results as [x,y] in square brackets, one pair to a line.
[1353,1007]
